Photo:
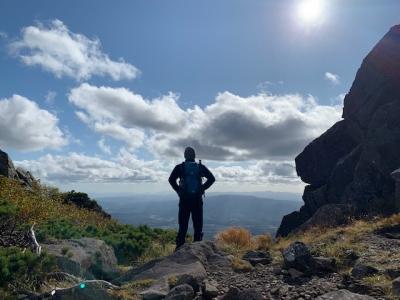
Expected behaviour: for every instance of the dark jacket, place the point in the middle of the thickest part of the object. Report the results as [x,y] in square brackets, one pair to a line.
[176,174]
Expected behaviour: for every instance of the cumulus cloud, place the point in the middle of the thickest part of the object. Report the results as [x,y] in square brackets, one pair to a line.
[26,127]
[244,129]
[59,51]
[3,34]
[334,79]
[231,129]
[260,173]
[77,167]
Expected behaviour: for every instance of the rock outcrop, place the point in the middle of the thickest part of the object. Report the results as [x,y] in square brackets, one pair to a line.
[196,259]
[352,161]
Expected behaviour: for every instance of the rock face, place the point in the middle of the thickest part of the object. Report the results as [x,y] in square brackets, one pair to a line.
[7,168]
[352,161]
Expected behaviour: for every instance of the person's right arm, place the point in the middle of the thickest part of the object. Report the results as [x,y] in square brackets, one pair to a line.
[174,177]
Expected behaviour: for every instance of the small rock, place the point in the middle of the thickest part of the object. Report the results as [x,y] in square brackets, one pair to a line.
[232,293]
[209,290]
[181,292]
[250,294]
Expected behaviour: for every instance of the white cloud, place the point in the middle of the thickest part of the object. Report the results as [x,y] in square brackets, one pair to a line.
[26,127]
[261,127]
[3,35]
[334,79]
[243,129]
[59,51]
[77,167]
[260,173]
[50,96]
[103,147]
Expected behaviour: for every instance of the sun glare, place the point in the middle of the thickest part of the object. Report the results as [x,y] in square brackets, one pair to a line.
[310,10]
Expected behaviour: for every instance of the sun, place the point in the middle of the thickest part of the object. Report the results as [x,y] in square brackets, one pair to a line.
[310,10]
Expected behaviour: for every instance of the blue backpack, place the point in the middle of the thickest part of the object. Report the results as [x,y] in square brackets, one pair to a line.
[190,183]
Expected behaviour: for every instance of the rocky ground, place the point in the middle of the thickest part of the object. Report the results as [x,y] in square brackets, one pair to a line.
[381,258]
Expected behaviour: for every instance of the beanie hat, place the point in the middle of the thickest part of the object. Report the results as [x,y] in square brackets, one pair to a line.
[190,153]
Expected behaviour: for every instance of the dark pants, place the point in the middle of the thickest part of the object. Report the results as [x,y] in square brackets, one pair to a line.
[187,207]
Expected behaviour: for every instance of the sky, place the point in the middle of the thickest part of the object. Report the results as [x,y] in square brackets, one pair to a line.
[103,97]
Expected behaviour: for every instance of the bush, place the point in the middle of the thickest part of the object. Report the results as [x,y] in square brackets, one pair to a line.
[24,269]
[236,236]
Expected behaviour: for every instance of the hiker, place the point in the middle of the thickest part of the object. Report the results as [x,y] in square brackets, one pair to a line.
[190,191]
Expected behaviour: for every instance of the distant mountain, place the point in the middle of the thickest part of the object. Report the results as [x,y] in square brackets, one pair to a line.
[259,215]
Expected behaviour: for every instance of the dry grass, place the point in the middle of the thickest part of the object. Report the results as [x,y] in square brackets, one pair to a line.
[322,241]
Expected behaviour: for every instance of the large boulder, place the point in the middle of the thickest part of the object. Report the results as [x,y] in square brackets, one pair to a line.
[87,257]
[195,258]
[352,161]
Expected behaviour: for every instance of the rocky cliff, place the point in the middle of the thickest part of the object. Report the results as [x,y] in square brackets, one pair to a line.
[352,161]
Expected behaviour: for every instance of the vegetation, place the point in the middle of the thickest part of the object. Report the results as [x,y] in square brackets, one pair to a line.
[58,215]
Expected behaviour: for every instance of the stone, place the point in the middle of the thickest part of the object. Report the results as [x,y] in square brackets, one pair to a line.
[295,273]
[91,258]
[297,256]
[255,257]
[250,294]
[209,290]
[189,279]
[195,258]
[232,293]
[181,292]
[7,168]
[396,287]
[26,177]
[361,270]
[291,222]
[344,295]
[157,290]
[315,164]
[331,215]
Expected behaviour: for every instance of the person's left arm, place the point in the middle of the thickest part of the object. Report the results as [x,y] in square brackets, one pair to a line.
[209,176]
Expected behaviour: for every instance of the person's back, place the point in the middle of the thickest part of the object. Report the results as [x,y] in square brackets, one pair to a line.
[190,191]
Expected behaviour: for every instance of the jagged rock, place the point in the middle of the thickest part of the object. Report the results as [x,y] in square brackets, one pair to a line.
[7,168]
[351,162]
[297,256]
[157,290]
[344,295]
[91,258]
[250,294]
[181,292]
[209,290]
[361,270]
[194,258]
[331,215]
[315,164]
[190,280]
[291,222]
[232,293]
[255,257]
[26,177]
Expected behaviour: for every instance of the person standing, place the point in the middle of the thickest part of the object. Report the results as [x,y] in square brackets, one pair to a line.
[190,191]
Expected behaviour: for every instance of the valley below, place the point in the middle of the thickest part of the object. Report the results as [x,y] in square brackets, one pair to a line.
[258,215]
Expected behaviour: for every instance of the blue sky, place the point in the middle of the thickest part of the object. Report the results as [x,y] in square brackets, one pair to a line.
[104,96]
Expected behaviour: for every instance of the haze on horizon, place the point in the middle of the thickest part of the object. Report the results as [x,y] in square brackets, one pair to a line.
[103,97]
